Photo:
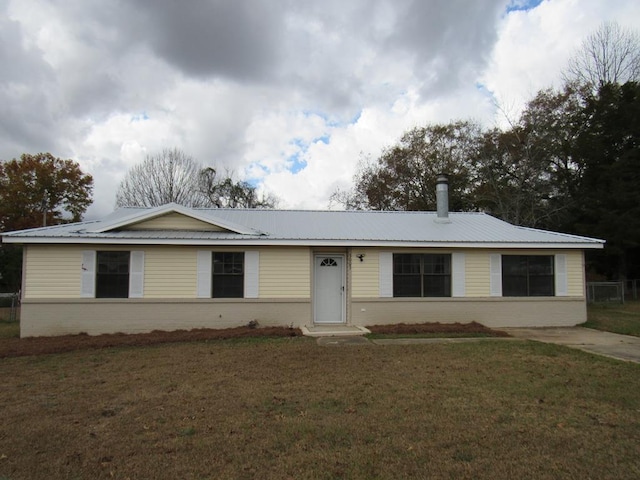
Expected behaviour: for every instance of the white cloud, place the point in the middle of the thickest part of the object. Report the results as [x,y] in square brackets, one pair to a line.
[292,96]
[535,45]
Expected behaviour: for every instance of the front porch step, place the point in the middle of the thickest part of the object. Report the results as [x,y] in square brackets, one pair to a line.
[333,330]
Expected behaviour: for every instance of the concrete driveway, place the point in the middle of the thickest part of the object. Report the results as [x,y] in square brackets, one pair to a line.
[621,347]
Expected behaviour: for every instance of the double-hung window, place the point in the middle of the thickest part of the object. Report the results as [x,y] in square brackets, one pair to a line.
[421,275]
[227,279]
[228,274]
[112,275]
[528,276]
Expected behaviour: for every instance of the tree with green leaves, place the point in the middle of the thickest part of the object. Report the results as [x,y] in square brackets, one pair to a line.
[528,174]
[609,191]
[404,176]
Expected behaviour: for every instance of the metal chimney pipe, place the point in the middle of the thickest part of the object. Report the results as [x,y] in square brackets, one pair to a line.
[442,198]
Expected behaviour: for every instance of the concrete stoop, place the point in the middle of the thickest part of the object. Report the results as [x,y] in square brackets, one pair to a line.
[334,330]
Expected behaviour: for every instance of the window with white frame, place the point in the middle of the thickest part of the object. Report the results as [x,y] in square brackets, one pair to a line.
[228,274]
[528,276]
[227,279]
[112,274]
[421,275]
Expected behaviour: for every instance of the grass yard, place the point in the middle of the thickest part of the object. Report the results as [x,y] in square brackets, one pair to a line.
[615,318]
[288,408]
[9,329]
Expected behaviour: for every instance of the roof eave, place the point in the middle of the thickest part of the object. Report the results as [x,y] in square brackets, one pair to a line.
[265,241]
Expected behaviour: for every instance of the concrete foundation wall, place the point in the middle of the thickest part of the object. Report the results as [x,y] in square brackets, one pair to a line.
[492,312]
[94,317]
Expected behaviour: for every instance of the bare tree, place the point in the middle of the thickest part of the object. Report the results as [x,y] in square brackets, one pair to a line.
[609,55]
[170,176]
[173,176]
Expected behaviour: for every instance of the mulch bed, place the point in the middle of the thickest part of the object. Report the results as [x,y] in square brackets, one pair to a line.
[17,347]
[405,328]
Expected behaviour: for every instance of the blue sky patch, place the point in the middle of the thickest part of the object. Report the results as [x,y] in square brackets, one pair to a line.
[324,139]
[296,163]
[140,117]
[522,5]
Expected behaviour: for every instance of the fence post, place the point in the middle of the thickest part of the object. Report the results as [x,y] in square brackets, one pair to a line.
[12,312]
[606,292]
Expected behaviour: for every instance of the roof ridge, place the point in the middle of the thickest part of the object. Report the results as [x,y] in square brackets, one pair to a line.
[302,210]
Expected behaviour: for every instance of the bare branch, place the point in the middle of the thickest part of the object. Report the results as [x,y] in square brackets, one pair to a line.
[610,55]
[170,176]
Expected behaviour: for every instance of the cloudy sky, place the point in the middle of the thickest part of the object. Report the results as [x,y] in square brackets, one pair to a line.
[289,94]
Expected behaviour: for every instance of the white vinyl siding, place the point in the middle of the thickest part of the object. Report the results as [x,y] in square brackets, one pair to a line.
[68,271]
[285,272]
[458,273]
[251,274]
[385,260]
[170,272]
[476,274]
[52,272]
[575,274]
[174,221]
[365,274]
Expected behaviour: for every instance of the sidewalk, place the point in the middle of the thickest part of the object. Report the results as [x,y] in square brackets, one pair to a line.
[614,345]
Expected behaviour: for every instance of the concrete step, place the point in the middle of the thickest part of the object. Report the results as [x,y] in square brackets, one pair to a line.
[333,330]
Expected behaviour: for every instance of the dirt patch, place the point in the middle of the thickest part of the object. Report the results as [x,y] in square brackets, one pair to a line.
[453,328]
[17,347]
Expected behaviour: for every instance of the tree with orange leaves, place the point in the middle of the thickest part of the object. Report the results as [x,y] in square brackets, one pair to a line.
[42,189]
[36,190]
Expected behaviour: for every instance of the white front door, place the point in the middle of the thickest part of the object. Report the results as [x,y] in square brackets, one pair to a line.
[329,289]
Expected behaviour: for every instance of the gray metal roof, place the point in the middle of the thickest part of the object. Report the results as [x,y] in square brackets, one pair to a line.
[305,227]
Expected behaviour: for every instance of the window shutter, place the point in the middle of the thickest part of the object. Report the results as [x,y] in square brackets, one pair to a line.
[88,276]
[251,274]
[495,260]
[204,274]
[386,274]
[561,275]
[458,275]
[136,274]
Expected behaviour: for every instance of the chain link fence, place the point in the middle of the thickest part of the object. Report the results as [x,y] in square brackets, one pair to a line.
[605,292]
[631,289]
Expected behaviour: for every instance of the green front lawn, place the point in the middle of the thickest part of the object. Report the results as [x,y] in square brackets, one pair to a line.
[616,318]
